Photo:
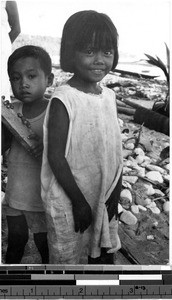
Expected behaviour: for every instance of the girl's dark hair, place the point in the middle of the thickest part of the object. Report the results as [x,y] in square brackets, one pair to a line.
[78,33]
[31,51]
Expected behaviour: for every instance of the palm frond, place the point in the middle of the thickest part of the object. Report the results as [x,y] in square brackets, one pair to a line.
[163,68]
[168,58]
[152,60]
[158,63]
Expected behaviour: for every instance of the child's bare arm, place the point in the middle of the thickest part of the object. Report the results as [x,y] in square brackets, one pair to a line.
[57,136]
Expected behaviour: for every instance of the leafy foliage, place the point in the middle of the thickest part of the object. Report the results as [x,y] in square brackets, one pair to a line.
[162,106]
[159,63]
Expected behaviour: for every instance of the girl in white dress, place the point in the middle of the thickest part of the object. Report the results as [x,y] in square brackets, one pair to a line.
[82,158]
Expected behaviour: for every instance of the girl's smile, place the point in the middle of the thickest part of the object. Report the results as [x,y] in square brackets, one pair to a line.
[98,71]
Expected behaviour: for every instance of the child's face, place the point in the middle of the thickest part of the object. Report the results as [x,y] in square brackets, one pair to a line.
[28,80]
[92,65]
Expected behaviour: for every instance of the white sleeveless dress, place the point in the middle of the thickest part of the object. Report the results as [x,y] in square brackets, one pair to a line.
[94,154]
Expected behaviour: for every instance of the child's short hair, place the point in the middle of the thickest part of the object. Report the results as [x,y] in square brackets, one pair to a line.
[31,51]
[79,31]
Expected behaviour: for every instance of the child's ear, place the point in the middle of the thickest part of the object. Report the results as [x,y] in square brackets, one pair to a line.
[50,79]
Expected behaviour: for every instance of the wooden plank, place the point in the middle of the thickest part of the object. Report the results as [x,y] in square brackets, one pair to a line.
[16,126]
[120,258]
[134,74]
[142,250]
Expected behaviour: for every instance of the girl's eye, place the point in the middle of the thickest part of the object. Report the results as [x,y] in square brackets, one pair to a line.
[108,52]
[89,51]
[31,76]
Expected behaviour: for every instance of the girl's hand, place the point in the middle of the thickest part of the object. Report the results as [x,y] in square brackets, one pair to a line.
[82,215]
[37,149]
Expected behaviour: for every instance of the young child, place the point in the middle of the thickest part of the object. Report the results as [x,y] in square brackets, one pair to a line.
[82,158]
[29,69]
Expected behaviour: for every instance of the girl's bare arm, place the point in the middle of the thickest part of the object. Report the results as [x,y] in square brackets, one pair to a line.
[57,136]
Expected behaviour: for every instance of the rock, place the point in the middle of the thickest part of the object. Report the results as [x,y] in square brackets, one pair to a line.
[126,194]
[128,218]
[147,160]
[150,237]
[121,122]
[135,209]
[139,151]
[152,204]
[2,197]
[139,159]
[166,207]
[130,179]
[126,184]
[131,163]
[155,210]
[130,158]
[155,168]
[126,170]
[143,202]
[155,224]
[149,189]
[159,192]
[154,176]
[126,153]
[126,198]
[141,172]
[142,207]
[129,146]
[120,208]
[124,136]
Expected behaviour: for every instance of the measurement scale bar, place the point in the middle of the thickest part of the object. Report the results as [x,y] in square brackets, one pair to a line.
[82,282]
[85,292]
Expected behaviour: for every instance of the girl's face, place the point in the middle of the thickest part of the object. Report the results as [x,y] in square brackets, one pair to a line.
[28,80]
[92,65]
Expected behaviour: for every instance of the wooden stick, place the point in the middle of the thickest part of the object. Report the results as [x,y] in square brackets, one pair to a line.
[131,103]
[125,110]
